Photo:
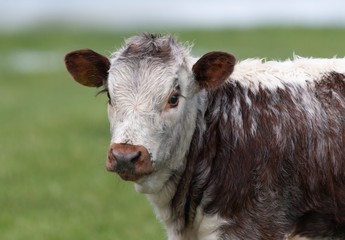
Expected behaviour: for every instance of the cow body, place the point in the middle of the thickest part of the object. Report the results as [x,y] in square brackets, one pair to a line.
[251,151]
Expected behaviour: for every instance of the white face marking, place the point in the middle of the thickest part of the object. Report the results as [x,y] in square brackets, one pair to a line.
[139,113]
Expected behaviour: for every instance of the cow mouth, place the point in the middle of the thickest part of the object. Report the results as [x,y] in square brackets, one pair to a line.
[129,176]
[132,172]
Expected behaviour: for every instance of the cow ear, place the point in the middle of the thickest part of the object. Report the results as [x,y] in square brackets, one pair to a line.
[212,69]
[87,67]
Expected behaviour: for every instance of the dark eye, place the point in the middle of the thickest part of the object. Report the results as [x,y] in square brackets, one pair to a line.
[173,100]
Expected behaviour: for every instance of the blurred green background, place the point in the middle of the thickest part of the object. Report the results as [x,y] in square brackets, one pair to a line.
[55,134]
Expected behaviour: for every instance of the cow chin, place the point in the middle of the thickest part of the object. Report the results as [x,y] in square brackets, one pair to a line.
[153,183]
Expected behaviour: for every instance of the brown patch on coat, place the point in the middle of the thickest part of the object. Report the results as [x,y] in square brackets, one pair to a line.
[212,69]
[267,184]
[334,81]
[87,67]
[329,86]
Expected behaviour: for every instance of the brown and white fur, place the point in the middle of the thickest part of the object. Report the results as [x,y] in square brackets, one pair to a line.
[225,150]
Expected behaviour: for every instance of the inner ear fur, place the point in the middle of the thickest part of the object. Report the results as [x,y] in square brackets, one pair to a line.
[213,68]
[87,67]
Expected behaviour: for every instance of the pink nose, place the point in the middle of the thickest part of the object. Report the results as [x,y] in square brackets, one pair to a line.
[131,162]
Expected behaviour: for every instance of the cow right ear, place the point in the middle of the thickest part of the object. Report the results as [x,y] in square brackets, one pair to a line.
[213,69]
[87,67]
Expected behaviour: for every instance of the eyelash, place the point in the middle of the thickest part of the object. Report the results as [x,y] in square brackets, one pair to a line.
[105,90]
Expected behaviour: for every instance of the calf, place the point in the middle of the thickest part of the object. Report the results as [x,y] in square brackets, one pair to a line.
[252,150]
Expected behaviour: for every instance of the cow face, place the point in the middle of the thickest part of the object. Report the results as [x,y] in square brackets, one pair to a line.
[155,91]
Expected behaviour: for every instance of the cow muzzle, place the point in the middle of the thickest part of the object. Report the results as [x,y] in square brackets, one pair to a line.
[130,162]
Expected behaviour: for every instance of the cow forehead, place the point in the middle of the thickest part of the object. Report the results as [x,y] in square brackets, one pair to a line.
[147,63]
[142,70]
[142,77]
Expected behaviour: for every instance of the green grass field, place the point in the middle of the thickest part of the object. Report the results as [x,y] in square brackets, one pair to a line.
[54,133]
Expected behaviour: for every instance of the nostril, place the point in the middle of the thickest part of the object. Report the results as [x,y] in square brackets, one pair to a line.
[132,157]
[135,157]
[129,161]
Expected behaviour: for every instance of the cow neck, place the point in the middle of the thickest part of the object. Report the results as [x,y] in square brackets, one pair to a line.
[200,171]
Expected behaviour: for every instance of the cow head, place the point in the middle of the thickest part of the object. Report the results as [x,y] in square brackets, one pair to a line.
[155,91]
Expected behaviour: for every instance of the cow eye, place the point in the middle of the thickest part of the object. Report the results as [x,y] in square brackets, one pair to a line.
[173,100]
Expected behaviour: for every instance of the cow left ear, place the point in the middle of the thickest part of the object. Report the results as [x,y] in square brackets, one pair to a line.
[212,69]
